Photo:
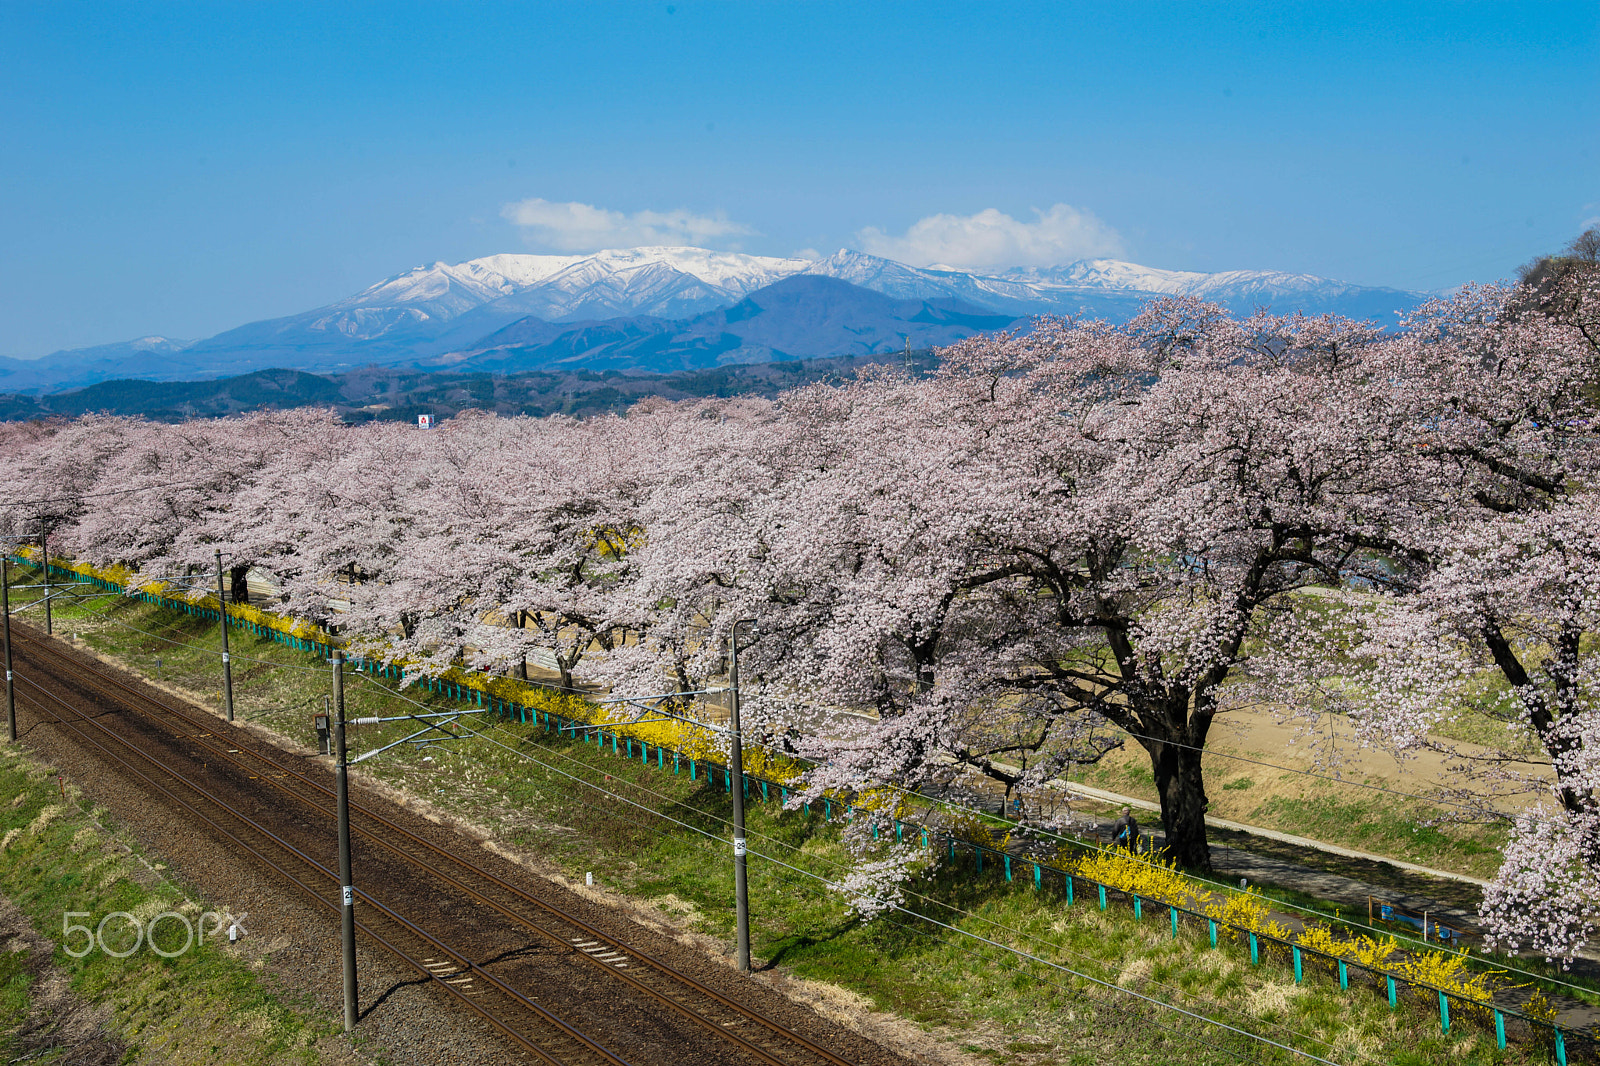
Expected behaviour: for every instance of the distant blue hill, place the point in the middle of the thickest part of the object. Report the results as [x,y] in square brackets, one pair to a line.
[804,316]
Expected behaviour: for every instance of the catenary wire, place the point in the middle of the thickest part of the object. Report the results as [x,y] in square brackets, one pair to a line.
[1020,933]
[1339,918]
[124,492]
[955,929]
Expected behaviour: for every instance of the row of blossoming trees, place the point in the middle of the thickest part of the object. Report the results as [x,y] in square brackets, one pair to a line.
[1060,538]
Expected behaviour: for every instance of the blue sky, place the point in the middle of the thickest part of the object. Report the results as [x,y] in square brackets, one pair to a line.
[180,169]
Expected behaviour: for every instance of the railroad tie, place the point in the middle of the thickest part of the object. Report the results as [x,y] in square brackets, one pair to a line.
[451,974]
[595,949]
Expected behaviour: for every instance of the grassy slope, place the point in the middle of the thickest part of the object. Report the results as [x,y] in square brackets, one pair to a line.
[1008,1009]
[204,1006]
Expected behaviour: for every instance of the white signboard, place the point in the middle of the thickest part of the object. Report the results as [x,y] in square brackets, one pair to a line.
[424,421]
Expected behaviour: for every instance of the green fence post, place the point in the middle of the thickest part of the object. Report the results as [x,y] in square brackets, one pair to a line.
[1008,867]
[1500,1030]
[765,796]
[1299,973]
[1344,975]
[1069,889]
[661,758]
[1138,907]
[1174,912]
[1102,897]
[1394,999]
[1038,877]
[978,851]
[827,809]
[691,769]
[1561,1047]
[1213,923]
[1255,951]
[924,838]
[952,849]
[1444,1014]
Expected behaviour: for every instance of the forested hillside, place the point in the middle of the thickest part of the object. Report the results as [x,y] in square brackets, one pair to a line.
[385,393]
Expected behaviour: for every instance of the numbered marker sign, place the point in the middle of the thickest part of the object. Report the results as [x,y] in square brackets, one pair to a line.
[424,421]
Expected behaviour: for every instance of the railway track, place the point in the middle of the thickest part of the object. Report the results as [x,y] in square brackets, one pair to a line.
[502,972]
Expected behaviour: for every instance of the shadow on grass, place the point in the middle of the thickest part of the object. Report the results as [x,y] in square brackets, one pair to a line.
[799,942]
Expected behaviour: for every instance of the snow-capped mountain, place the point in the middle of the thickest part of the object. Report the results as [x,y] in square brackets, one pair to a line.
[1228,286]
[446,307]
[669,282]
[432,311]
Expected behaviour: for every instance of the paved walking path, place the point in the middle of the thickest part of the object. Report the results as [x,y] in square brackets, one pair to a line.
[1272,834]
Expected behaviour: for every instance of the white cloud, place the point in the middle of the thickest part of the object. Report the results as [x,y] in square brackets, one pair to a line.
[992,239]
[575,227]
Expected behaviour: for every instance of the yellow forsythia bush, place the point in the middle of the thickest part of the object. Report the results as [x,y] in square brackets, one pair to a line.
[1121,869]
[1447,970]
[1244,910]
[891,801]
[968,826]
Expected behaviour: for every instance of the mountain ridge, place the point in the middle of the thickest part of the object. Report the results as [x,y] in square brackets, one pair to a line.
[792,318]
[444,313]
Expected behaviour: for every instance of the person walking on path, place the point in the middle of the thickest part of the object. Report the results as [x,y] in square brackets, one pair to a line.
[1125,830]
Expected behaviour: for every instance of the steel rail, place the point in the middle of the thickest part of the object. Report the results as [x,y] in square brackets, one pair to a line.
[570,1034]
[664,969]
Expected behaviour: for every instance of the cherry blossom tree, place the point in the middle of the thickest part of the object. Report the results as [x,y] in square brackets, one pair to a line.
[529,535]
[52,473]
[1501,624]
[1059,530]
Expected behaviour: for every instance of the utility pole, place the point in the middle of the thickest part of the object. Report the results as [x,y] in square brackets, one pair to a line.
[342,779]
[44,561]
[227,664]
[5,605]
[740,886]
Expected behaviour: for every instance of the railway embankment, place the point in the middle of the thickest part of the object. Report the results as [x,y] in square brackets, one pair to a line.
[653,836]
[557,978]
[69,860]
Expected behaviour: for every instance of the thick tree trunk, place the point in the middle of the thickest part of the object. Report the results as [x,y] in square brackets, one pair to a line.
[238,587]
[1183,804]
